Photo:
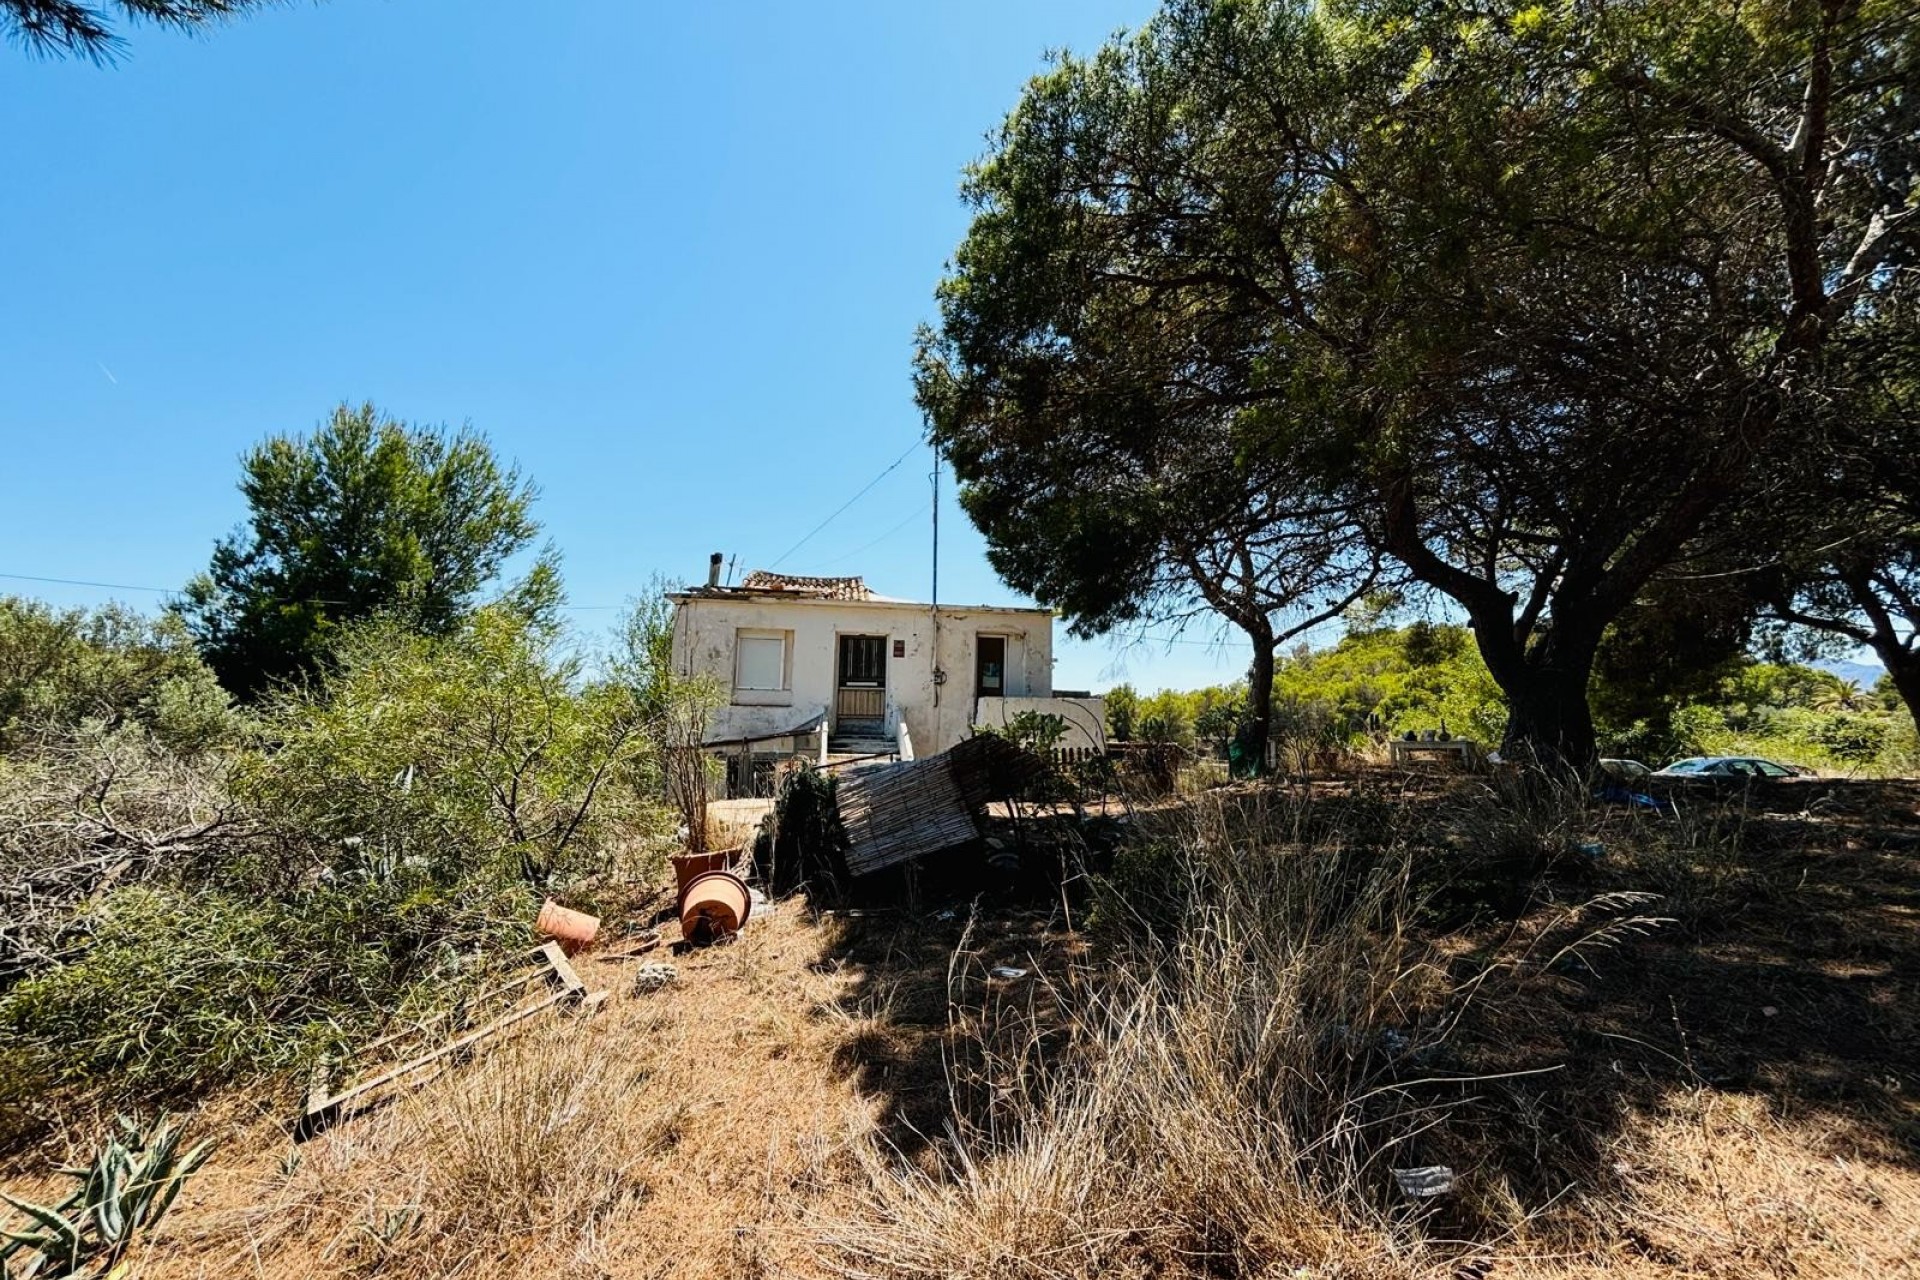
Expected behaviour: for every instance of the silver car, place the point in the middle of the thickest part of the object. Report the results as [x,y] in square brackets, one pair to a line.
[1718,768]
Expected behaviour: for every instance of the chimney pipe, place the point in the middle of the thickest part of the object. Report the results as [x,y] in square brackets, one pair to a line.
[713,570]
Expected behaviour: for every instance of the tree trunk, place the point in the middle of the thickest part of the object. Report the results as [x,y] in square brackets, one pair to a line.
[1259,727]
[1548,720]
[1903,666]
[1549,723]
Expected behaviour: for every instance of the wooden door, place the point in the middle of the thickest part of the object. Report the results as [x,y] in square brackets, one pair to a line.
[862,693]
[990,667]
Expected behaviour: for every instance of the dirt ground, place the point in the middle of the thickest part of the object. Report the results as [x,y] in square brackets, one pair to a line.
[1746,1080]
[746,1089]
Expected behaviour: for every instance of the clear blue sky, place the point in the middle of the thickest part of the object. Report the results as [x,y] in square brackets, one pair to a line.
[669,257]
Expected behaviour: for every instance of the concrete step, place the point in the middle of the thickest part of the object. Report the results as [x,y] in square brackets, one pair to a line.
[864,743]
[860,746]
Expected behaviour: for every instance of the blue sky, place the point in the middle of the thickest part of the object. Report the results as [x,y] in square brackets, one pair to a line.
[669,257]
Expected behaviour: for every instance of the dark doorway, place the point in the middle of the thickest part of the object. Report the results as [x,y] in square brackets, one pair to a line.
[990,667]
[860,702]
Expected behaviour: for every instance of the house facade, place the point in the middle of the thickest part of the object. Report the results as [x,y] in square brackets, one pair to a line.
[811,665]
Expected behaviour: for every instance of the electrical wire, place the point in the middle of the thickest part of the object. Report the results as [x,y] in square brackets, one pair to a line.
[891,467]
[174,591]
[917,513]
[80,582]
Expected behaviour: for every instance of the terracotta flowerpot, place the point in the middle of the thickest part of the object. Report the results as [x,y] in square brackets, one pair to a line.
[714,906]
[688,867]
[573,930]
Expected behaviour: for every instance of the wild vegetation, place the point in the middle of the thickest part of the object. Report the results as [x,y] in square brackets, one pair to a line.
[1539,312]
[200,890]
[1381,681]
[1583,333]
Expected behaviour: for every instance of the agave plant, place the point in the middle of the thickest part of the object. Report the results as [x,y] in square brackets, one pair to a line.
[126,1189]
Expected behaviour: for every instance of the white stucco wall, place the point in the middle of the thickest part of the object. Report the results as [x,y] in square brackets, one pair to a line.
[1086,718]
[937,715]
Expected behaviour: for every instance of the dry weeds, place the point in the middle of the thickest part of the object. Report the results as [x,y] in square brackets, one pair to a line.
[863,1096]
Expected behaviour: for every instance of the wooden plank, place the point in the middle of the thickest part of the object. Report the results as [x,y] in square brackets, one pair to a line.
[563,971]
[491,993]
[322,1107]
[447,1050]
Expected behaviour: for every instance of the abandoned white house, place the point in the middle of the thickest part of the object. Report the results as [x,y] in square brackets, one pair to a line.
[813,666]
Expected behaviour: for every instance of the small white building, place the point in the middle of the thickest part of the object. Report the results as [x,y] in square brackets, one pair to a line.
[813,665]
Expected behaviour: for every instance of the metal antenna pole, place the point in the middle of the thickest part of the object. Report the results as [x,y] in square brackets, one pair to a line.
[936,527]
[939,676]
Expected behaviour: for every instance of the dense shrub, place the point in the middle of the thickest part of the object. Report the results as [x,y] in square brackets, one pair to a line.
[59,668]
[177,915]
[1800,715]
[470,754]
[801,843]
[173,987]
[1387,681]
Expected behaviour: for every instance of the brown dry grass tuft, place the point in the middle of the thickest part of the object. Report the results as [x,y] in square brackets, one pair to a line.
[1317,996]
[1224,1100]
[701,1122]
[1289,994]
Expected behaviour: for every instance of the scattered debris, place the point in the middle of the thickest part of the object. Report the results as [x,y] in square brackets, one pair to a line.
[1591,849]
[635,947]
[326,1103]
[1424,1182]
[653,977]
[1769,1011]
[573,930]
[1007,973]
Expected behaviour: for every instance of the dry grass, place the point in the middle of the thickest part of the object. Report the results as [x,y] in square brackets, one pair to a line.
[1225,1100]
[1232,1100]
[702,1121]
[1298,992]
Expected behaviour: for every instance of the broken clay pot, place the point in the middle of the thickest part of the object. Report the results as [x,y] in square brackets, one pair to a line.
[688,867]
[714,906]
[573,930]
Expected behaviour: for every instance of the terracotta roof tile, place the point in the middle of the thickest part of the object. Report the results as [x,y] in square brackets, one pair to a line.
[816,588]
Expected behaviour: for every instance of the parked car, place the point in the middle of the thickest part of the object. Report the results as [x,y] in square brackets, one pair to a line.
[1727,768]
[1625,770]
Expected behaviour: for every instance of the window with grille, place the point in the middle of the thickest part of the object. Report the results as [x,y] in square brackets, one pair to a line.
[863,661]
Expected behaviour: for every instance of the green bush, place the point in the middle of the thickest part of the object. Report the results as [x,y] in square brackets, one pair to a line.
[1123,712]
[59,668]
[471,754]
[1853,738]
[172,989]
[366,849]
[801,843]
[1388,680]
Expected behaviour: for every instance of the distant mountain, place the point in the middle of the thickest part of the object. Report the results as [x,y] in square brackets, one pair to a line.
[1864,674]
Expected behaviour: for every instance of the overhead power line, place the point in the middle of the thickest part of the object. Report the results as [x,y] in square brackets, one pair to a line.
[80,582]
[917,513]
[891,467]
[174,591]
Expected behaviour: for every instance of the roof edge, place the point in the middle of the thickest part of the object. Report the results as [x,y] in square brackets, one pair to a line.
[788,598]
